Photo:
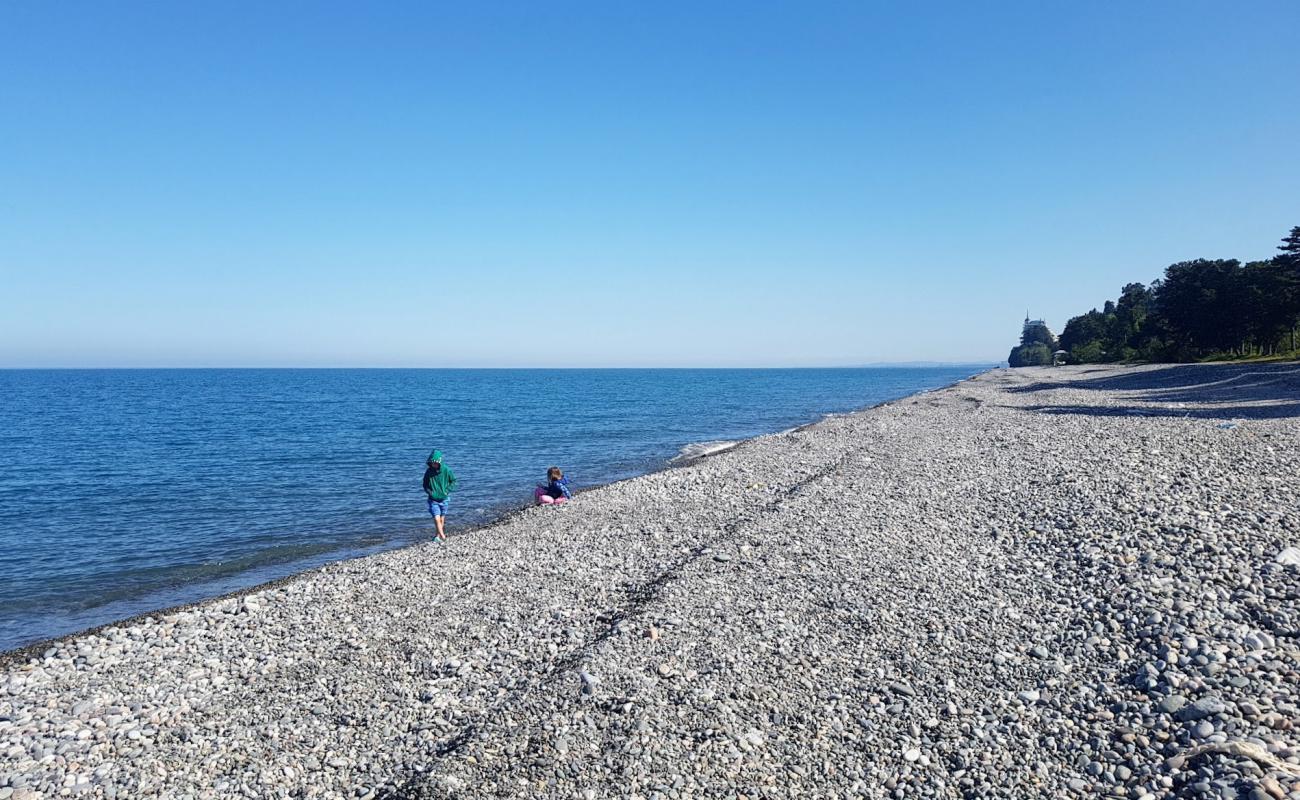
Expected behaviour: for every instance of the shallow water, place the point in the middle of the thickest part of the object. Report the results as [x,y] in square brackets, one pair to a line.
[124,491]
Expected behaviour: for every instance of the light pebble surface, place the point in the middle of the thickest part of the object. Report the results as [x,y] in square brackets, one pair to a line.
[1035,583]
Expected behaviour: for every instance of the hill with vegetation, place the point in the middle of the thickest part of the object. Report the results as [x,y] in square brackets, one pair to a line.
[1201,309]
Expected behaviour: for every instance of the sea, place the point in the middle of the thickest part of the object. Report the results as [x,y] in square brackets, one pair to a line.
[129,491]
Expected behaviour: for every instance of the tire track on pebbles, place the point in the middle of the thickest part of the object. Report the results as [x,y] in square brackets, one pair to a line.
[840,611]
[568,670]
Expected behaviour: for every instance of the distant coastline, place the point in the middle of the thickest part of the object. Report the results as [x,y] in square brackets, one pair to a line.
[927,364]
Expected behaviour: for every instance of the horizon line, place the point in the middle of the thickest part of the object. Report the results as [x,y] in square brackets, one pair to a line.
[866,365]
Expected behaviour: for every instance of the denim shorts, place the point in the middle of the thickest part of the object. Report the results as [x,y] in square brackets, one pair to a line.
[438,508]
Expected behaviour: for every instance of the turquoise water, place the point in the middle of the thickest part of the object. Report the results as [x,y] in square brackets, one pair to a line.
[125,491]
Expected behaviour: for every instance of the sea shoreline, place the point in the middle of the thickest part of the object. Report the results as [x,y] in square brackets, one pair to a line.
[1032,583]
[505,515]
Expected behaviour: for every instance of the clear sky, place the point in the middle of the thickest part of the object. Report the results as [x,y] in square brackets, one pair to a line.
[626,183]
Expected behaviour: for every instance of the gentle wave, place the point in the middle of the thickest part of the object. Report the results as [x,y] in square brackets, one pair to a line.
[702,449]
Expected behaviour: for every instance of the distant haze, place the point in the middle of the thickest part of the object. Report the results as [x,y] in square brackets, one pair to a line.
[618,184]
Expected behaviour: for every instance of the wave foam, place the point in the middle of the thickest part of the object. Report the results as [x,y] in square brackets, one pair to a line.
[702,449]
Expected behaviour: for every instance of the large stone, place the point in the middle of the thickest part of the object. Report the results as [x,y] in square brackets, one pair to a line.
[1202,708]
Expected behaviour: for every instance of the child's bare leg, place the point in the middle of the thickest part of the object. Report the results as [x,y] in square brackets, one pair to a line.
[439,522]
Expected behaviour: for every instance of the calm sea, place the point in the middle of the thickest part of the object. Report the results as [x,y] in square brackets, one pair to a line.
[125,491]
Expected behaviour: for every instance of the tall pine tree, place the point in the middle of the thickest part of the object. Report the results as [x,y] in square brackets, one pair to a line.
[1289,262]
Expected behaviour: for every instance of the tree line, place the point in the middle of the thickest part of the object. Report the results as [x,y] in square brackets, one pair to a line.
[1200,309]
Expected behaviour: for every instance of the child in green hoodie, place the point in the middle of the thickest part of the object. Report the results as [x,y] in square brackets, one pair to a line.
[439,483]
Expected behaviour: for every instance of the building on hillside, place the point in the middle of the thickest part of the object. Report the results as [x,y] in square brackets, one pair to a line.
[1030,324]
[1036,345]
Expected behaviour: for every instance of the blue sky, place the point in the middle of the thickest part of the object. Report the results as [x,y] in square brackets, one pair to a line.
[619,184]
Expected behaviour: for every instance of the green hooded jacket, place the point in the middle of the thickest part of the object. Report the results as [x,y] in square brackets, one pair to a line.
[438,484]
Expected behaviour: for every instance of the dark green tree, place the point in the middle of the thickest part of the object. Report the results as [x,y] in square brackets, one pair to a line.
[1085,338]
[1037,334]
[1290,246]
[1131,313]
[1289,278]
[1267,312]
[1200,303]
[1035,354]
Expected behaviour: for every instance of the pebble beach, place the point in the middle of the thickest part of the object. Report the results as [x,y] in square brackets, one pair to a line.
[1042,582]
